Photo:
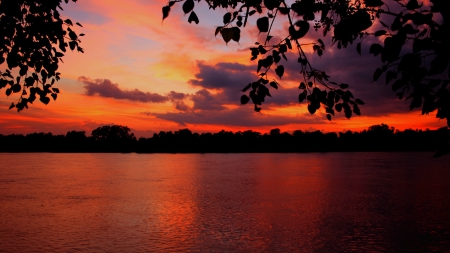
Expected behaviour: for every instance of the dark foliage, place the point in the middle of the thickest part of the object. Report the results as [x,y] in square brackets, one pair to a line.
[119,139]
[413,46]
[33,41]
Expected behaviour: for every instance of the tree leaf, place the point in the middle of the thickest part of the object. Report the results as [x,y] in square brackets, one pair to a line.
[69,22]
[359,101]
[44,100]
[412,5]
[11,106]
[358,48]
[188,6]
[303,28]
[218,29]
[375,49]
[271,4]
[279,70]
[288,43]
[329,117]
[347,110]
[227,18]
[311,108]
[377,74]
[244,99]
[263,24]
[302,96]
[227,34]
[380,32]
[343,86]
[16,88]
[373,3]
[193,17]
[236,34]
[274,85]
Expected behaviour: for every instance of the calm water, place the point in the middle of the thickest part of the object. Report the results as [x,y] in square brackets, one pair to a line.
[350,202]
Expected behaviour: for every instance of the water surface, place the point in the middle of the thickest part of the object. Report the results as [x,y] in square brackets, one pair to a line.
[332,202]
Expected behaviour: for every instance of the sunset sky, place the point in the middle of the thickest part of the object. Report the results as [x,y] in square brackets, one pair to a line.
[163,76]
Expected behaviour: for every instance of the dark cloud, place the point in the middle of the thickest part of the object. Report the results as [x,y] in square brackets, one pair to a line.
[206,101]
[108,89]
[173,95]
[242,116]
[230,78]
[222,76]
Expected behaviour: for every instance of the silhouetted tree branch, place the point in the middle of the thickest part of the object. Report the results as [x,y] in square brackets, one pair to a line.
[33,41]
[413,45]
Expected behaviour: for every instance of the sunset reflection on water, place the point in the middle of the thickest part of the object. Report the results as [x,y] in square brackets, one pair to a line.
[352,202]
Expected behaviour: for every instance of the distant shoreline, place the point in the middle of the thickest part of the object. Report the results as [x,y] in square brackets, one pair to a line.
[119,139]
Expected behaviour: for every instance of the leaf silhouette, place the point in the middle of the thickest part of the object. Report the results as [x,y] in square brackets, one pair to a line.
[271,4]
[227,34]
[359,101]
[373,3]
[377,74]
[188,6]
[343,86]
[218,29]
[193,17]
[236,34]
[165,11]
[412,5]
[263,24]
[279,70]
[227,18]
[303,28]
[358,48]
[302,96]
[274,85]
[375,49]
[244,99]
[380,32]
[44,100]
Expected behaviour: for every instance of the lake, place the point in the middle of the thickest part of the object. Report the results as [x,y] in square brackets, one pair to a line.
[317,202]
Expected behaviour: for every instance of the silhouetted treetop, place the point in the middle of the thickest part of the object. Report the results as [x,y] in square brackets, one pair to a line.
[412,43]
[34,38]
[113,132]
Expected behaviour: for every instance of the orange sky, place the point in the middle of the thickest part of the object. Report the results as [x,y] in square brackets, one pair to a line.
[143,58]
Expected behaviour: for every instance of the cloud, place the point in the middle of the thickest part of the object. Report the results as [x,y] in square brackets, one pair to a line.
[206,101]
[230,78]
[241,116]
[108,89]
[173,96]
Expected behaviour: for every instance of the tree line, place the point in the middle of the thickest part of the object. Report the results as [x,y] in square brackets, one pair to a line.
[117,138]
